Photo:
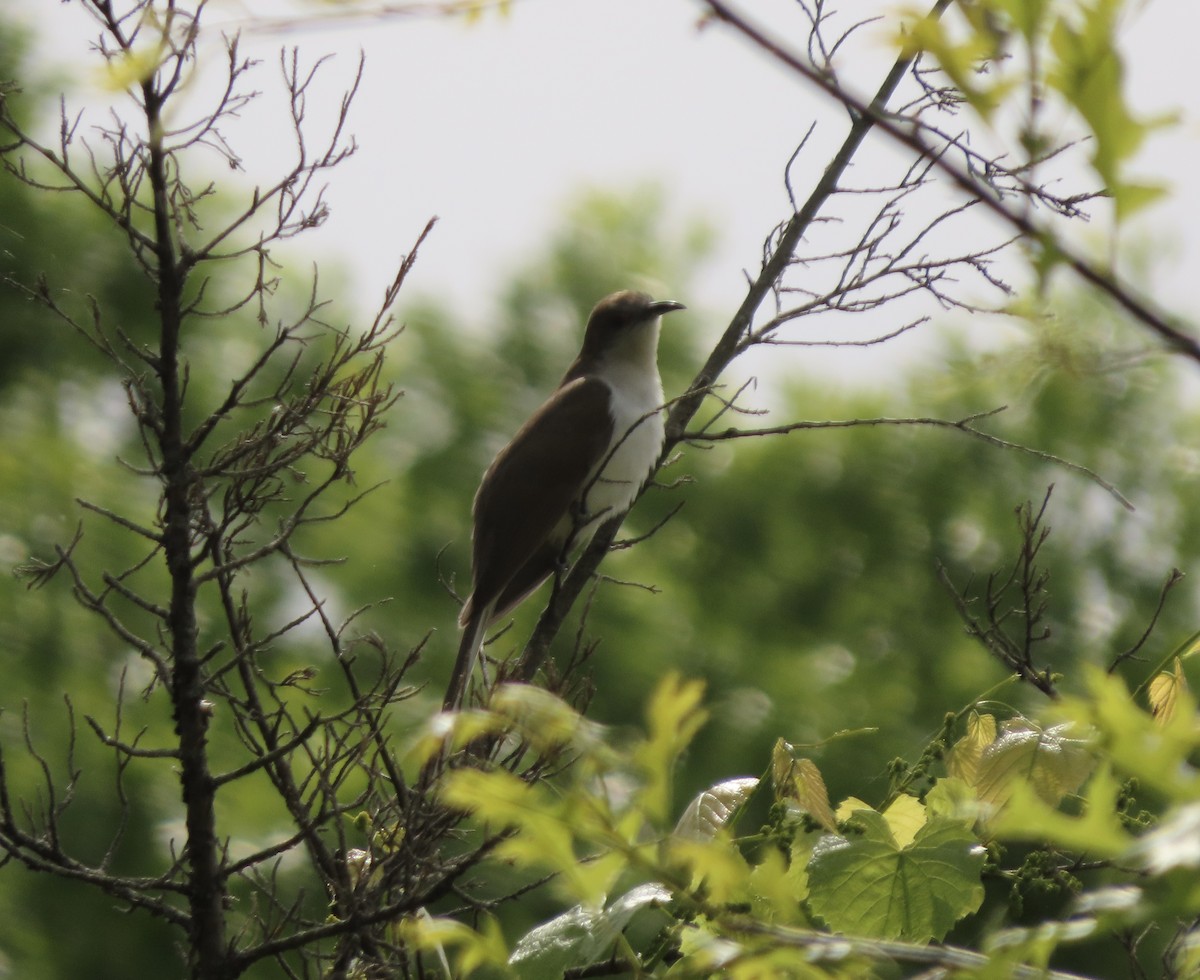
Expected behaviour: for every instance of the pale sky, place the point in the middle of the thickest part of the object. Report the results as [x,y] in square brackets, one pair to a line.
[492,126]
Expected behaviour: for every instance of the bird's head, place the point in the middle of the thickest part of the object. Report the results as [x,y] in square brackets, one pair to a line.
[618,323]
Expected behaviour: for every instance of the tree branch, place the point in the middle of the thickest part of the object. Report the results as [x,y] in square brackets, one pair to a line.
[875,115]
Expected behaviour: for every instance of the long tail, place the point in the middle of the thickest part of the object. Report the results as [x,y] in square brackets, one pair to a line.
[468,653]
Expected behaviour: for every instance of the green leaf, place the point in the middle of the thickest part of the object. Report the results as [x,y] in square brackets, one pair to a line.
[799,781]
[905,818]
[953,799]
[964,758]
[1158,754]
[704,952]
[1048,760]
[1097,832]
[850,806]
[436,934]
[544,828]
[1089,73]
[449,730]
[1164,692]
[777,887]
[582,935]
[132,68]
[673,716]
[960,57]
[545,721]
[1027,16]
[714,865]
[1131,197]
[872,887]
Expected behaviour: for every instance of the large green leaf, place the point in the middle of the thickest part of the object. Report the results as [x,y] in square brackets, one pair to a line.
[870,886]
[582,935]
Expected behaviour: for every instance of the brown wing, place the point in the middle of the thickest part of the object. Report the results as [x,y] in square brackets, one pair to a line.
[531,484]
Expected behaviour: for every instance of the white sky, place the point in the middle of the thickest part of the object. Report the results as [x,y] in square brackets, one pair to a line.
[492,126]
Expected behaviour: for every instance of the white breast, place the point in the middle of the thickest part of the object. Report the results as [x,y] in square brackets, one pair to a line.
[638,433]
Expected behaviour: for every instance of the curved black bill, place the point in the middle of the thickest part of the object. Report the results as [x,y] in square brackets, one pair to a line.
[665,306]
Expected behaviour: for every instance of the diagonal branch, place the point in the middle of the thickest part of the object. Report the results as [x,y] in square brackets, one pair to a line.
[777,262]
[875,115]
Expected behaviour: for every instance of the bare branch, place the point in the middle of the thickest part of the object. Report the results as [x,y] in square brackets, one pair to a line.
[874,115]
[1029,581]
[962,425]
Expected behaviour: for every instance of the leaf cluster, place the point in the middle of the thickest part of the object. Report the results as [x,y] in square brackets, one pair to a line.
[703,894]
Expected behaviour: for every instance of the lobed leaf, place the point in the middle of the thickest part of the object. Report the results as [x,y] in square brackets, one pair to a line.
[1049,760]
[871,886]
[966,754]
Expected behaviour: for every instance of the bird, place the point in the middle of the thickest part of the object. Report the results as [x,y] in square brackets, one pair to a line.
[579,460]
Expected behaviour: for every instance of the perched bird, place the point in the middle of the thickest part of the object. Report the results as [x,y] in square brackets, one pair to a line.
[578,461]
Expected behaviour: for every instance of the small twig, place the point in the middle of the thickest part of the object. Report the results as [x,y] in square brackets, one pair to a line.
[1172,580]
[625,543]
[989,627]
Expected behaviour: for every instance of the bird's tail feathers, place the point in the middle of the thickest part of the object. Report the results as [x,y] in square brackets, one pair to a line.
[474,628]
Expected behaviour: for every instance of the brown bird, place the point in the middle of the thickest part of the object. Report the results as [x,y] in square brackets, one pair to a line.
[578,461]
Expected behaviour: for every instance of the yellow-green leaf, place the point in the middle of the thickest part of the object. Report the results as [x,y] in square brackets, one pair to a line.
[776,889]
[799,781]
[544,828]
[673,716]
[953,799]
[850,806]
[1131,197]
[544,720]
[1050,761]
[1089,72]
[474,950]
[963,760]
[131,69]
[905,817]
[714,864]
[449,731]
[1164,692]
[1158,754]
[1027,16]
[959,57]
[1097,832]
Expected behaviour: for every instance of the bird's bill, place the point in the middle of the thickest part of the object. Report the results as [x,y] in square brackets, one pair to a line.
[665,306]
